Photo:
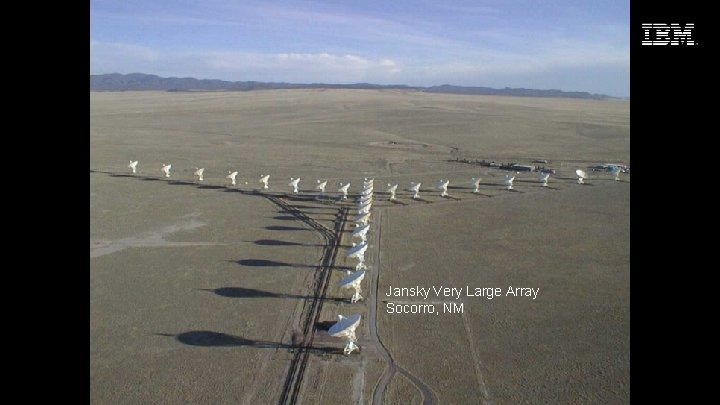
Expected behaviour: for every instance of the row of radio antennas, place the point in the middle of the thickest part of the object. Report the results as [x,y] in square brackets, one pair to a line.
[442,185]
[345,327]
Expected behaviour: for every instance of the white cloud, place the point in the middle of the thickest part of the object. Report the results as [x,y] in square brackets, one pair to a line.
[543,69]
[230,65]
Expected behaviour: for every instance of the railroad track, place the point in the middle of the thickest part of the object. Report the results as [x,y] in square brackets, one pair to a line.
[313,305]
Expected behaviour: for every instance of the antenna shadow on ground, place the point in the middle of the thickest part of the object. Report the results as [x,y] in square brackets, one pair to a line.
[275,242]
[285,228]
[242,292]
[207,338]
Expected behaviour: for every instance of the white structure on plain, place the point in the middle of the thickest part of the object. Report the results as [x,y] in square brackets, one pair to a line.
[231,175]
[358,252]
[361,232]
[344,189]
[509,181]
[614,170]
[294,184]
[364,199]
[544,177]
[363,218]
[475,182]
[353,281]
[365,208]
[345,328]
[392,189]
[321,186]
[443,185]
[415,188]
[264,180]
[133,165]
[166,169]
[581,175]
[199,173]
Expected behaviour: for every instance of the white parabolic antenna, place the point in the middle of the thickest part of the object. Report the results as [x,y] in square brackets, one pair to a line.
[581,176]
[231,176]
[475,182]
[509,181]
[166,169]
[294,184]
[544,178]
[133,165]
[264,180]
[363,218]
[344,189]
[363,202]
[365,198]
[415,188]
[360,231]
[357,251]
[199,173]
[353,281]
[345,328]
[321,186]
[391,189]
[443,185]
[365,209]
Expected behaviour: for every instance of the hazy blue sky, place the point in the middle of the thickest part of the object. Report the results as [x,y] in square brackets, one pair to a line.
[572,45]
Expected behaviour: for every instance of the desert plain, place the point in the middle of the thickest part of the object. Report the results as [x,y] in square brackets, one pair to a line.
[203,292]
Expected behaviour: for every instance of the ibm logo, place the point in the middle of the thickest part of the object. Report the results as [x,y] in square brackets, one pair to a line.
[668,34]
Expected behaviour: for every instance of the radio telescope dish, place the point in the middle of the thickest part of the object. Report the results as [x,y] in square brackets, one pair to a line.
[363,218]
[231,176]
[614,170]
[544,178]
[391,189]
[443,185]
[358,252]
[415,188]
[199,173]
[361,204]
[321,186]
[353,281]
[294,184]
[581,175]
[475,182]
[364,199]
[264,180]
[133,165]
[345,328]
[361,231]
[365,208]
[166,169]
[509,181]
[344,189]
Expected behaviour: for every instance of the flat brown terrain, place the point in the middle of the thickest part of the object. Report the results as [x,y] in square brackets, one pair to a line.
[199,292]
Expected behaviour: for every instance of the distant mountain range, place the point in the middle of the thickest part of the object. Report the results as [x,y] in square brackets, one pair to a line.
[141,81]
